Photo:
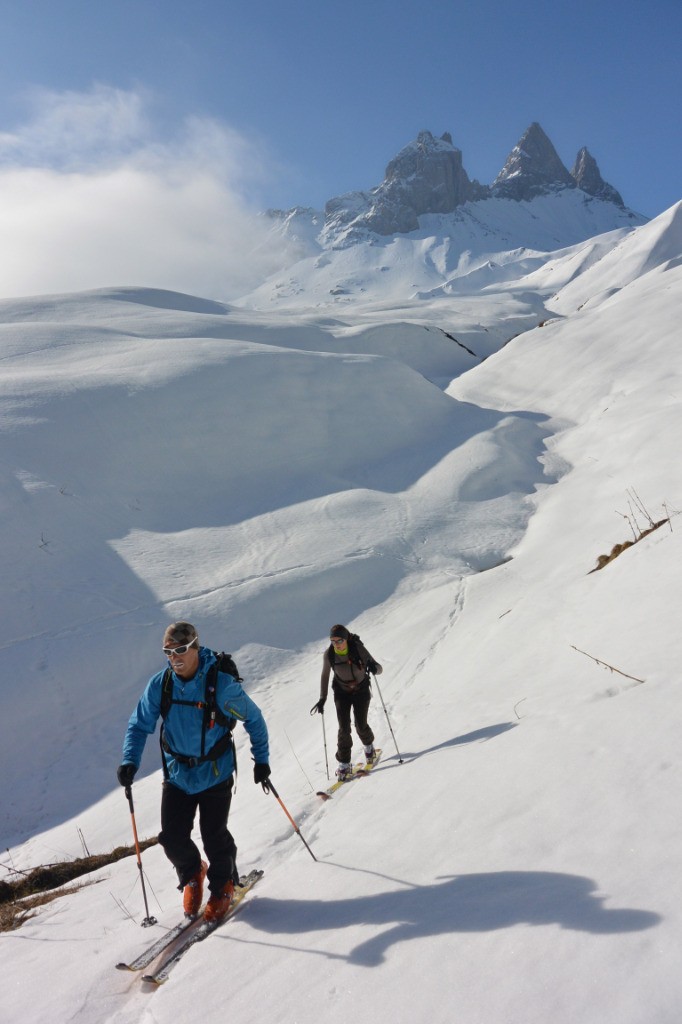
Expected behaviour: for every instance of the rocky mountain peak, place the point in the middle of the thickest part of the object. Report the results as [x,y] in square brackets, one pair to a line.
[586,175]
[428,177]
[532,167]
[428,158]
[425,177]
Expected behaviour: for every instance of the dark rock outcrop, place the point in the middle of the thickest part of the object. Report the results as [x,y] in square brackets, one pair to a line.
[425,177]
[532,168]
[586,175]
[428,177]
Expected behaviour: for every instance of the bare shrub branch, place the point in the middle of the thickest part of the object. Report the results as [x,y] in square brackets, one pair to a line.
[605,664]
[637,532]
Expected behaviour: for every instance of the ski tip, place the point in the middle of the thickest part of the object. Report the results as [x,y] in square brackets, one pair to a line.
[323,796]
[123,967]
[152,980]
[250,879]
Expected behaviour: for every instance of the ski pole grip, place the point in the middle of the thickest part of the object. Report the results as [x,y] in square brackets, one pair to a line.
[272,789]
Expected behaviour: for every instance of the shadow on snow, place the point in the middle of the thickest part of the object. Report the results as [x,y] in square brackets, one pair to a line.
[477,736]
[461,903]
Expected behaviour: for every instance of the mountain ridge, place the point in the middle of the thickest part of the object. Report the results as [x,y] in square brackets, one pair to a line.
[429,224]
[428,177]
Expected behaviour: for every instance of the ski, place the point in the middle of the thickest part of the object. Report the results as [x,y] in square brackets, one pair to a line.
[359,770]
[202,931]
[157,947]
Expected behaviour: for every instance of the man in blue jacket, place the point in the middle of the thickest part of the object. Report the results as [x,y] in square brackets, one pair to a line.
[198,762]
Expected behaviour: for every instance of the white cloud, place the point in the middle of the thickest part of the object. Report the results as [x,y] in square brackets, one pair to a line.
[90,197]
[70,130]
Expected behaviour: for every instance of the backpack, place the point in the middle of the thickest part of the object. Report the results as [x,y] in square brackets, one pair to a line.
[211,712]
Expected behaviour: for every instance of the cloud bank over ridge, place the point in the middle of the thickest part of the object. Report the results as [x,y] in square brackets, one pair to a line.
[90,196]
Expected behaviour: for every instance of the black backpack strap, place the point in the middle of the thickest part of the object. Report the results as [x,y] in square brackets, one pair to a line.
[353,654]
[225,663]
[216,751]
[166,692]
[212,714]
[166,701]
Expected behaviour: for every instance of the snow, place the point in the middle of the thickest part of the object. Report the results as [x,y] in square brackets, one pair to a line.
[449,254]
[268,473]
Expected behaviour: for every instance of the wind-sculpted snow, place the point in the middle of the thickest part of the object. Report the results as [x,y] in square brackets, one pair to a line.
[653,246]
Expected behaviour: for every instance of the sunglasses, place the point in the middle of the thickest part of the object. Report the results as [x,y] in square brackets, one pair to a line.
[168,651]
[338,639]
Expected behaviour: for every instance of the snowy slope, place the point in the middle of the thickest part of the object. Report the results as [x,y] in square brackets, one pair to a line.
[132,441]
[442,254]
[163,458]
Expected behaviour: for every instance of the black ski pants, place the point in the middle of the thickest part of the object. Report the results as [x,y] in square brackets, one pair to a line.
[358,704]
[178,810]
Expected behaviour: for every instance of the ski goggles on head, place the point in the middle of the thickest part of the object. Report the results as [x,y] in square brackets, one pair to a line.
[168,651]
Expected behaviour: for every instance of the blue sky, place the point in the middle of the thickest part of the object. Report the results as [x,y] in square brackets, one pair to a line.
[325,94]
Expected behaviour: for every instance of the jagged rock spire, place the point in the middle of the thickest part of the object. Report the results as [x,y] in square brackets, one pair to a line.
[532,167]
[432,169]
[586,175]
[435,165]
[428,177]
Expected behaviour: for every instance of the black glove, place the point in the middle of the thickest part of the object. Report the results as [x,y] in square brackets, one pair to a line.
[261,773]
[319,707]
[125,774]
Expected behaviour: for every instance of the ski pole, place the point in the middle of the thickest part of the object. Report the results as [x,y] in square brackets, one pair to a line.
[148,919]
[400,760]
[297,830]
[324,737]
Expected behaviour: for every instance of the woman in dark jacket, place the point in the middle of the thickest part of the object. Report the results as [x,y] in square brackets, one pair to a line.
[350,663]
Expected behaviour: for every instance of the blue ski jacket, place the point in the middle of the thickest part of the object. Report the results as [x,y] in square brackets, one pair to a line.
[183,726]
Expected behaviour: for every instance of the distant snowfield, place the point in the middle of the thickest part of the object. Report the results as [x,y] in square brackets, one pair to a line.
[480,245]
[268,474]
